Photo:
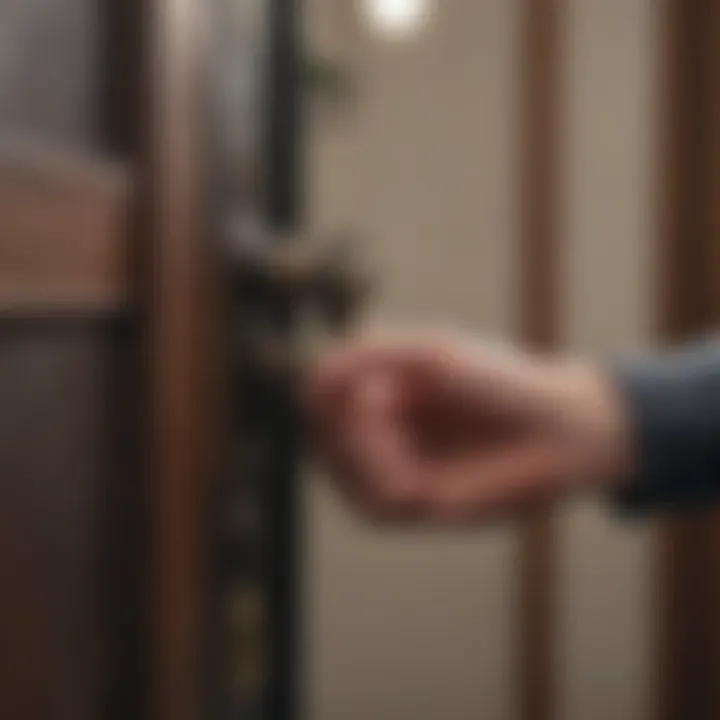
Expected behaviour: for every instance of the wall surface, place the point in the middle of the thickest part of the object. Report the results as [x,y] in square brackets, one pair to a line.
[418,626]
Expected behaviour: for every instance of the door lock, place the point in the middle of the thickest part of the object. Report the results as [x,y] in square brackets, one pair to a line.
[321,284]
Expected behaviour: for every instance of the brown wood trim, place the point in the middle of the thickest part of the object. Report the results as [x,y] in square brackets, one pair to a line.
[176,260]
[687,582]
[540,327]
[63,232]
[714,264]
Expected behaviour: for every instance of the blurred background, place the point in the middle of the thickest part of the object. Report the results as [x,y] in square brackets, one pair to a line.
[544,171]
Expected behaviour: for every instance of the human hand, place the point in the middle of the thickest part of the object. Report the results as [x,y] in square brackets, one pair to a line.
[442,428]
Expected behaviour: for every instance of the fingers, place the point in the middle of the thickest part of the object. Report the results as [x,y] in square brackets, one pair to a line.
[359,397]
[431,367]
[503,485]
[365,450]
[417,351]
[386,481]
[341,372]
[377,448]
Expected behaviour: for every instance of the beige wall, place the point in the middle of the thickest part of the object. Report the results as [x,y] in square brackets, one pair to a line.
[418,626]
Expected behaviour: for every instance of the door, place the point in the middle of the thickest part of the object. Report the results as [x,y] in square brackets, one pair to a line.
[101,450]
[128,133]
[64,298]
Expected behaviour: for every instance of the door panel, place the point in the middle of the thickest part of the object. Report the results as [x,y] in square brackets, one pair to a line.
[108,344]
[51,469]
[69,569]
[63,222]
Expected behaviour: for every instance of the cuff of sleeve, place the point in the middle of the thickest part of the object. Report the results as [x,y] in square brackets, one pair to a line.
[642,489]
[670,437]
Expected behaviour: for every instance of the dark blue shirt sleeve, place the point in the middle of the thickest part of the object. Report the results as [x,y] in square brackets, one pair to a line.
[674,406]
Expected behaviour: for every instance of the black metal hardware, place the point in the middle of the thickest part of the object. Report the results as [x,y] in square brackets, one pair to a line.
[277,278]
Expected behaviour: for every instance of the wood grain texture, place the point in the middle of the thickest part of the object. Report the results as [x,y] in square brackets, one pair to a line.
[175,253]
[63,239]
[540,327]
[70,537]
[59,411]
[51,448]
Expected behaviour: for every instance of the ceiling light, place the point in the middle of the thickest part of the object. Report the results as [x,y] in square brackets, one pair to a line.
[396,19]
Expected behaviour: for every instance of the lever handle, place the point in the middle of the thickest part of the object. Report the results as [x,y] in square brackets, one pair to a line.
[326,281]
[328,277]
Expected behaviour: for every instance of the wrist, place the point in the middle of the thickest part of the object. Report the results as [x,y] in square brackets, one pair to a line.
[599,425]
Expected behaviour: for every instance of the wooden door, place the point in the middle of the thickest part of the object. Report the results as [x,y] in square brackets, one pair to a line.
[101,277]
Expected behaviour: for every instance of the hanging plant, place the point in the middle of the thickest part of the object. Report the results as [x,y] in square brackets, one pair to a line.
[326,80]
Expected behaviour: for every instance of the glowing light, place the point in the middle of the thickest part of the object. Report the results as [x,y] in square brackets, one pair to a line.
[397,18]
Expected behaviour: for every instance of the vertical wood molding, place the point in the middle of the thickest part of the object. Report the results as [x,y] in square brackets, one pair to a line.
[540,327]
[714,263]
[688,582]
[176,258]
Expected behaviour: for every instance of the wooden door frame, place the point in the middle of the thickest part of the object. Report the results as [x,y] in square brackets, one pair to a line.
[154,118]
[175,305]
